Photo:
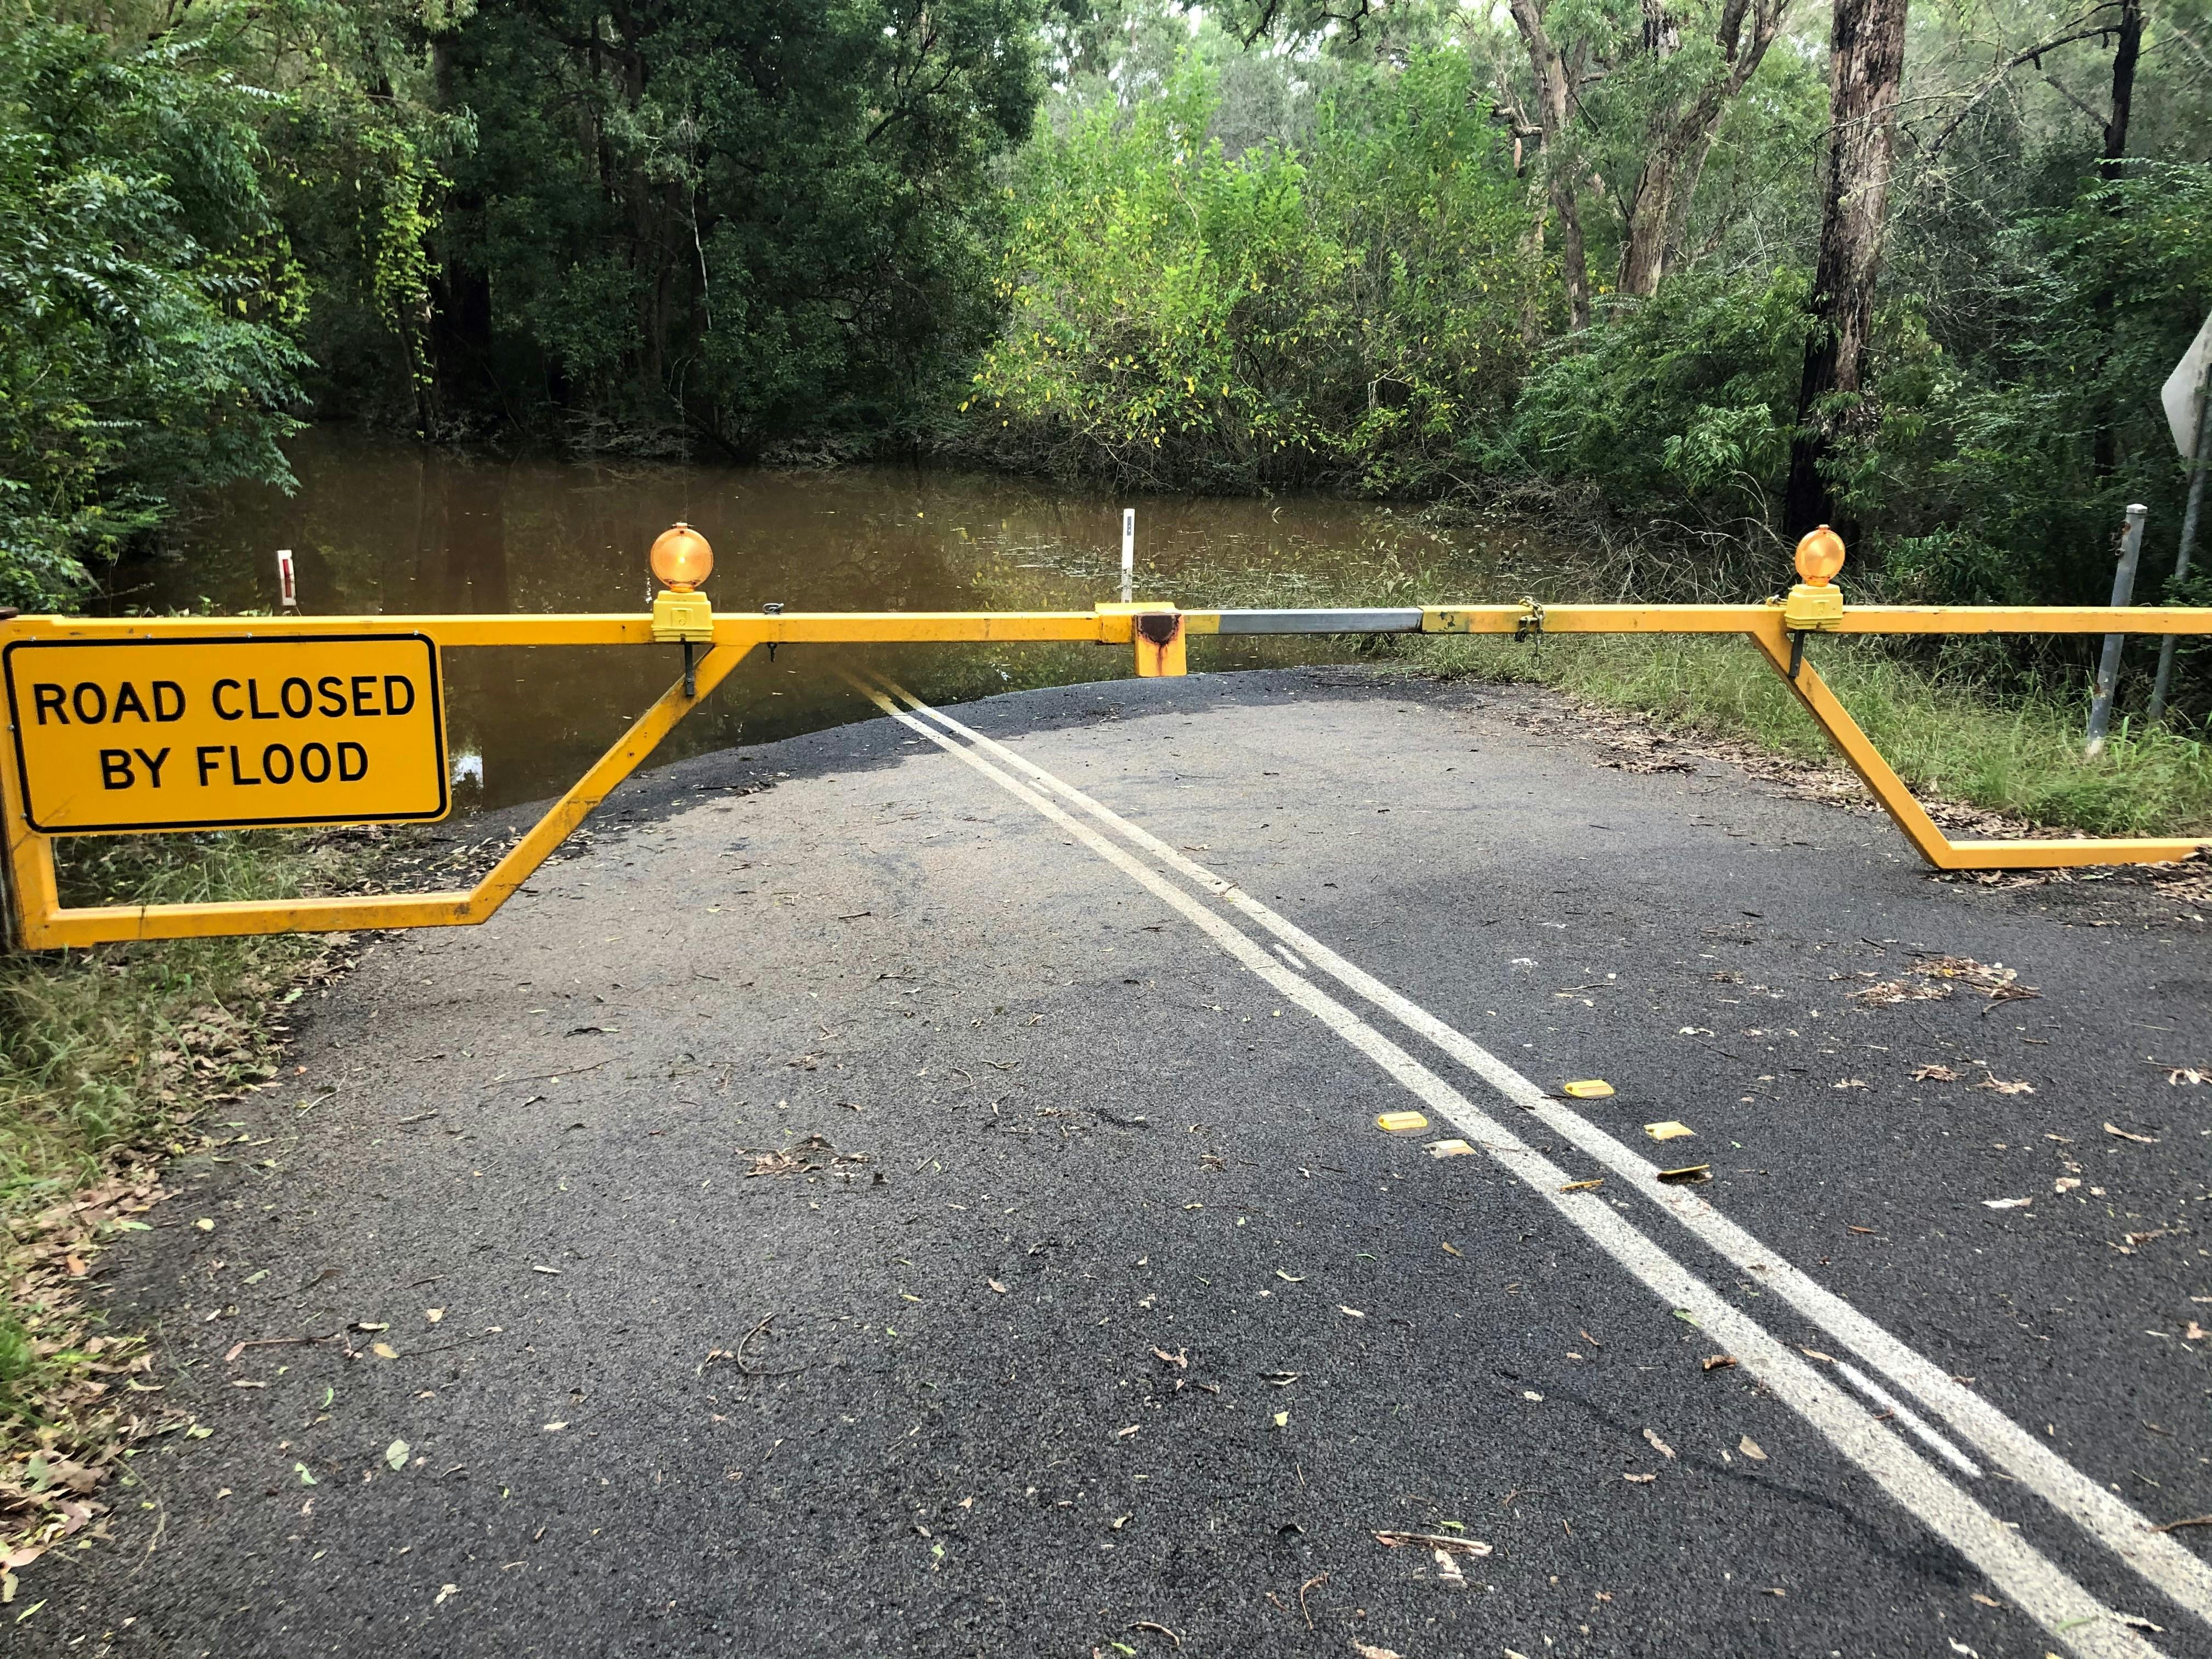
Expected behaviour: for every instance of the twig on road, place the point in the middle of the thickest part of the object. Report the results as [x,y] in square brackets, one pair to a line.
[1311,1583]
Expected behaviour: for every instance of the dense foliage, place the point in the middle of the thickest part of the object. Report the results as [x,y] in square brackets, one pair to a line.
[738,223]
[149,296]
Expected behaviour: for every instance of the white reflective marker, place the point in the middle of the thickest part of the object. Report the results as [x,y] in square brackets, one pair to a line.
[1128,554]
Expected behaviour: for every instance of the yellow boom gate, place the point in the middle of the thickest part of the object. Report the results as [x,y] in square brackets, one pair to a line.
[134,724]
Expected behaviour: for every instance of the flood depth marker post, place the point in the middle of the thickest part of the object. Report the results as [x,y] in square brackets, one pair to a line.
[1128,554]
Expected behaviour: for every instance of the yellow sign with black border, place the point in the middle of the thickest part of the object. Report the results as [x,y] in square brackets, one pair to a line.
[114,736]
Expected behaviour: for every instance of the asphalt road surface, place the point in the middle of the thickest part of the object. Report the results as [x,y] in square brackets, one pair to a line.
[890,1193]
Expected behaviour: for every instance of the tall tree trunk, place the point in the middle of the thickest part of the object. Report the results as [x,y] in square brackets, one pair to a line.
[1650,217]
[1554,80]
[2125,52]
[2104,442]
[1681,135]
[1866,63]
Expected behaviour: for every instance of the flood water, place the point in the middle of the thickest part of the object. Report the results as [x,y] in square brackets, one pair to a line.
[382,528]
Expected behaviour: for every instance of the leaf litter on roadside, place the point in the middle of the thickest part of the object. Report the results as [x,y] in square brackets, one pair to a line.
[1933,978]
[810,1155]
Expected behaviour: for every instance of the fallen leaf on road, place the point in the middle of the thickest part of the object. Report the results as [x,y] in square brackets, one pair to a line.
[1350,1313]
[996,1286]
[1715,1362]
[1367,1652]
[1282,1419]
[1814,1353]
[306,1479]
[1123,1434]
[2006,1203]
[1935,1074]
[535,1268]
[1640,1480]
[555,1428]
[1147,1624]
[2181,1076]
[1901,990]
[384,1350]
[2065,1184]
[1449,1250]
[1434,1540]
[2146,1141]
[1288,1279]
[1851,1083]
[433,1315]
[1983,1600]
[1669,1130]
[1659,1445]
[1991,1080]
[1530,1394]
[444,1592]
[1749,1447]
[396,1454]
[1180,1358]
[1688,1175]
[1584,1186]
[2196,1333]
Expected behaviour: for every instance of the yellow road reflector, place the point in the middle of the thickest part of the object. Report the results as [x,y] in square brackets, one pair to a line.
[1596,1088]
[1669,1130]
[1688,1175]
[1392,1123]
[227,732]
[1584,1186]
[1450,1149]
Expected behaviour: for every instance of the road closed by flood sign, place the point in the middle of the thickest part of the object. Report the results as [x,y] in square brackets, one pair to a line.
[226,733]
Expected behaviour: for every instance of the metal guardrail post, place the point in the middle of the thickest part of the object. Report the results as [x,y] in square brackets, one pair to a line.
[2189,514]
[2108,662]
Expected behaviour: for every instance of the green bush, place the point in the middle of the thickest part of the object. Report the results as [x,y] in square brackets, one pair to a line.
[147,289]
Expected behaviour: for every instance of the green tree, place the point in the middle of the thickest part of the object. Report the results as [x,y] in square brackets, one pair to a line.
[147,288]
[1345,311]
[744,222]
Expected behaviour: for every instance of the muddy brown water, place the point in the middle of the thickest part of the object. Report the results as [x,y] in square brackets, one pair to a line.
[382,528]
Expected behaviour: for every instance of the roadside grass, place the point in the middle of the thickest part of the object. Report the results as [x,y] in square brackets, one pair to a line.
[108,1056]
[1944,730]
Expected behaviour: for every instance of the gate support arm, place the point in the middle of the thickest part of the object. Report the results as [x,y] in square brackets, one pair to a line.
[1929,841]
[44,924]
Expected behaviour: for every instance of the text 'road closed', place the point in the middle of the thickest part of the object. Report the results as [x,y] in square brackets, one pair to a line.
[226,733]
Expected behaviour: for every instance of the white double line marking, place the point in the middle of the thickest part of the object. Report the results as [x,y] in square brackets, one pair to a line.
[2051,1596]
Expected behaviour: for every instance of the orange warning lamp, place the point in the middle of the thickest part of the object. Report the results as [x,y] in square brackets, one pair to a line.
[681,559]
[1820,555]
[1816,602]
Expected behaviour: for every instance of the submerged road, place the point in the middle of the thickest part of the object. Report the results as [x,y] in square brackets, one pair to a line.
[917,1190]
